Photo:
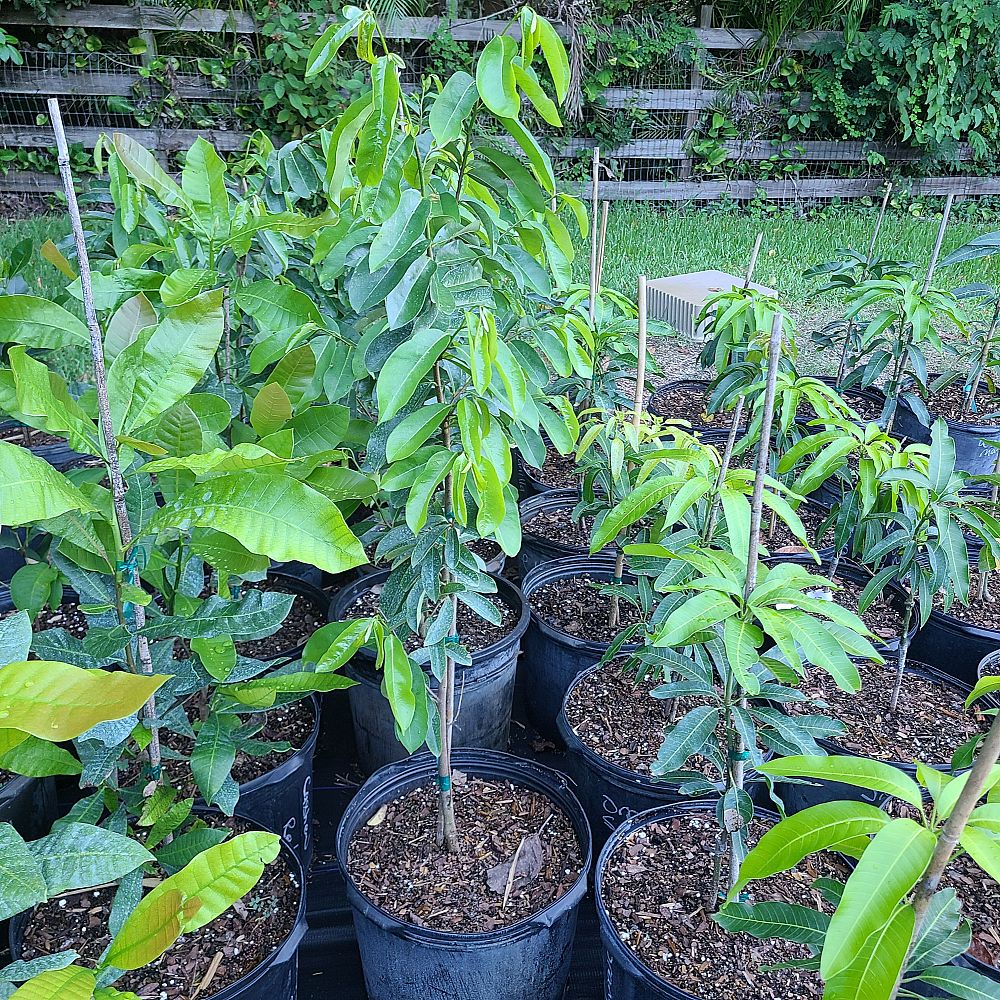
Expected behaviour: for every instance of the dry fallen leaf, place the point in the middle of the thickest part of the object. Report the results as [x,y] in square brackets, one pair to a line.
[529,863]
[379,818]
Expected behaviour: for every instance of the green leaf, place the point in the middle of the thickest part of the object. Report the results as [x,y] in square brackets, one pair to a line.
[144,169]
[944,935]
[634,507]
[414,430]
[15,637]
[948,797]
[789,921]
[271,409]
[398,673]
[527,80]
[401,231]
[34,757]
[132,317]
[541,162]
[214,754]
[698,614]
[22,883]
[268,514]
[556,57]
[185,848]
[326,47]
[153,926]
[406,301]
[965,984]
[247,456]
[876,967]
[858,771]
[262,692]
[78,855]
[165,363]
[452,107]
[277,308]
[986,685]
[33,490]
[71,983]
[56,701]
[405,368]
[185,283]
[36,322]
[495,77]
[809,831]
[888,870]
[984,848]
[688,737]
[203,180]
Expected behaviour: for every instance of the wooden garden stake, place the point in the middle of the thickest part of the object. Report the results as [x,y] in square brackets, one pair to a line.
[108,432]
[936,253]
[594,235]
[601,243]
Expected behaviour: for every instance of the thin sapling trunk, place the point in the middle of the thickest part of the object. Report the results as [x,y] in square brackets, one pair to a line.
[983,590]
[973,390]
[126,561]
[594,236]
[904,649]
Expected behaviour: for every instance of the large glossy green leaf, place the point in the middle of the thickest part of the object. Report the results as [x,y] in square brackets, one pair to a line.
[185,283]
[196,895]
[326,47]
[398,684]
[71,983]
[555,55]
[890,867]
[277,308]
[262,692]
[406,301]
[875,968]
[965,984]
[541,162]
[269,514]
[817,828]
[271,409]
[401,231]
[686,738]
[414,430]
[220,461]
[77,855]
[56,701]
[775,919]
[144,169]
[203,180]
[22,884]
[634,507]
[15,637]
[165,363]
[495,77]
[34,757]
[698,614]
[858,771]
[452,107]
[405,368]
[33,490]
[36,322]
[984,848]
[214,754]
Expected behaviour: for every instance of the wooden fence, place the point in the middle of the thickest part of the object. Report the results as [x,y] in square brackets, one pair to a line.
[631,160]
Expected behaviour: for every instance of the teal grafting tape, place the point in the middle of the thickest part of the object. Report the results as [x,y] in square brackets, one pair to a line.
[444,782]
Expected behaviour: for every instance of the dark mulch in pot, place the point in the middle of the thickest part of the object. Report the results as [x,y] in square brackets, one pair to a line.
[618,718]
[28,437]
[930,722]
[559,472]
[304,618]
[476,633]
[949,401]
[5,776]
[980,614]
[782,541]
[690,404]
[232,945]
[395,860]
[882,617]
[574,606]
[655,885]
[557,525]
[67,616]
[485,548]
[978,893]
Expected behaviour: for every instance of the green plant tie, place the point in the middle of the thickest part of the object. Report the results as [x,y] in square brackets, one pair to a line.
[452,640]
[153,772]
[129,566]
[739,755]
[972,402]
[444,782]
[617,580]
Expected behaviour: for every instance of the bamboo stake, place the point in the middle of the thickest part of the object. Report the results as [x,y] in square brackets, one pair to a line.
[107,427]
[594,235]
[601,243]
[949,201]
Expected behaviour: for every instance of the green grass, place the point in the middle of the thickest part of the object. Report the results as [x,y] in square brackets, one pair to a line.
[42,278]
[659,243]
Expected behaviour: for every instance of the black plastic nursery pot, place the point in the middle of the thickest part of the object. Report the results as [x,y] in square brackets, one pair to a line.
[527,961]
[552,658]
[29,805]
[58,454]
[627,977]
[953,646]
[276,978]
[484,695]
[527,477]
[281,800]
[537,549]
[797,796]
[612,794]
[972,453]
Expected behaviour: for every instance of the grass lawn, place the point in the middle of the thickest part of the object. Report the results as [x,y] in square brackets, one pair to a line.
[661,242]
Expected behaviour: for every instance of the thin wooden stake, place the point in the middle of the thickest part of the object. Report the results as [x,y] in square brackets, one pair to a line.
[594,235]
[878,227]
[601,243]
[107,427]
[936,252]
[754,254]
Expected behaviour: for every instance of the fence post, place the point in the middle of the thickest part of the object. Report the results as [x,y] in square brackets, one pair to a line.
[705,19]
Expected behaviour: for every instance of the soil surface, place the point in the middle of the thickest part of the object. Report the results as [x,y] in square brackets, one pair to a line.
[557,525]
[930,722]
[396,863]
[5,776]
[304,618]
[199,964]
[949,401]
[574,606]
[619,719]
[487,550]
[35,438]
[67,616]
[559,472]
[781,540]
[476,633]
[691,404]
[979,895]
[882,617]
[654,889]
[981,614]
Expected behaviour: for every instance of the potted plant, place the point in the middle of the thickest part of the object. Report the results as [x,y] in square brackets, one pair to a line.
[896,923]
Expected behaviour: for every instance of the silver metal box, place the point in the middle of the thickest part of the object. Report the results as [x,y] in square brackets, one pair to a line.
[678,300]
